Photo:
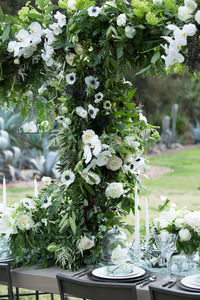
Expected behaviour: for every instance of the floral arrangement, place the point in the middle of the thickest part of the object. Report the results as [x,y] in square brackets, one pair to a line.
[184,223]
[67,62]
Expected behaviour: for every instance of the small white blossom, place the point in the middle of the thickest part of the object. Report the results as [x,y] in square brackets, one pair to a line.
[87,136]
[121,20]
[94,11]
[30,127]
[130,32]
[60,18]
[36,32]
[71,4]
[197,16]
[24,38]
[114,190]
[94,176]
[70,59]
[28,203]
[67,122]
[92,111]
[98,97]
[71,78]
[131,142]
[79,49]
[184,13]
[56,28]
[92,82]
[142,118]
[190,4]
[86,243]
[81,112]
[67,177]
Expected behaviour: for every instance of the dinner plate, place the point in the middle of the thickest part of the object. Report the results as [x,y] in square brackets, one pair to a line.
[179,284]
[4,260]
[192,281]
[103,273]
[124,280]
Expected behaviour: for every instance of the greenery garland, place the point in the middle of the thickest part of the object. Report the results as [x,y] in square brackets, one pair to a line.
[68,61]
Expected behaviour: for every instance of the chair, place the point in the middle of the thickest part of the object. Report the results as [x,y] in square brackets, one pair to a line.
[158,293]
[95,290]
[5,279]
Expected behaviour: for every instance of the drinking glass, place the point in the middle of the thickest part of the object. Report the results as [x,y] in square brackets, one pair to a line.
[166,243]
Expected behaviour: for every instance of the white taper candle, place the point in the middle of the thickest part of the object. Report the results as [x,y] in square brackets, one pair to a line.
[35,188]
[147,220]
[137,219]
[4,193]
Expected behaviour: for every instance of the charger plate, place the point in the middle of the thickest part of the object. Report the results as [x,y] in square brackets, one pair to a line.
[187,288]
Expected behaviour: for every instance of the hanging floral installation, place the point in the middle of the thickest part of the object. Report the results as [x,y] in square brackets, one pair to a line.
[68,62]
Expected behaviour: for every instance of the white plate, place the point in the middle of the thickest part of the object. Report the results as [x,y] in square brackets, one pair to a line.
[189,281]
[102,273]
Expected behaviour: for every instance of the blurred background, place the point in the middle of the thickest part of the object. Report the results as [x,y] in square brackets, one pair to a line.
[171,103]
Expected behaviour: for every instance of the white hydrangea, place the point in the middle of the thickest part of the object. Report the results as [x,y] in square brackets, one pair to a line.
[121,20]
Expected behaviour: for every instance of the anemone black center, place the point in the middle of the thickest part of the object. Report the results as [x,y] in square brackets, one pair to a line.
[67,177]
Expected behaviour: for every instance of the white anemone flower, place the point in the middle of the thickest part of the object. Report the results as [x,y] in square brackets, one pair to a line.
[92,111]
[24,38]
[30,127]
[67,178]
[94,11]
[107,105]
[92,82]
[60,18]
[98,97]
[81,112]
[56,28]
[25,222]
[47,202]
[103,158]
[190,4]
[28,203]
[114,190]
[197,16]
[87,136]
[70,59]
[71,78]
[130,32]
[184,14]
[121,20]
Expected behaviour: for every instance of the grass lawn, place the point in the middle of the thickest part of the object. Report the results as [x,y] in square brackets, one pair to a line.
[182,185]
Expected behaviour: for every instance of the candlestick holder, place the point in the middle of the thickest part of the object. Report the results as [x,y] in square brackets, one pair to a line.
[135,254]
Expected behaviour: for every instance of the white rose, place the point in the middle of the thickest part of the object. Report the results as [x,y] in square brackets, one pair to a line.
[25,222]
[184,235]
[87,136]
[121,20]
[184,13]
[130,32]
[119,256]
[85,243]
[192,219]
[114,190]
[197,16]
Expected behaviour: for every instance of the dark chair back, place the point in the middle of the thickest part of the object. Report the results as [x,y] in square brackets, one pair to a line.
[95,290]
[157,293]
[5,278]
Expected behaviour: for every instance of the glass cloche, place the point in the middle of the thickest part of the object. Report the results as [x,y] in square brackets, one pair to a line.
[5,253]
[113,238]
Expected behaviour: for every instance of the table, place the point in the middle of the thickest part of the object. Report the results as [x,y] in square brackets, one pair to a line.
[44,280]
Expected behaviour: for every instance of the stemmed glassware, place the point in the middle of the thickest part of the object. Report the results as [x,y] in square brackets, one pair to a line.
[166,244]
